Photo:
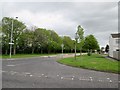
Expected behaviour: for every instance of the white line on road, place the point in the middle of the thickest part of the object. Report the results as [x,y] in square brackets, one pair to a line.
[110,81]
[10,65]
[4,71]
[31,75]
[100,80]
[108,78]
[27,73]
[42,74]
[46,76]
[61,77]
[57,75]
[72,78]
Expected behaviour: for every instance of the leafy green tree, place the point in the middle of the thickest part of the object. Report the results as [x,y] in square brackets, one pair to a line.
[18,28]
[25,41]
[68,43]
[6,28]
[91,44]
[55,39]
[80,33]
[41,39]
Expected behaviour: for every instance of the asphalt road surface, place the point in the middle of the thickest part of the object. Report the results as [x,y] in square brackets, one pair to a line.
[45,72]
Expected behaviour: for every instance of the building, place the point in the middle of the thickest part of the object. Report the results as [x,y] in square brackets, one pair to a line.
[114,46]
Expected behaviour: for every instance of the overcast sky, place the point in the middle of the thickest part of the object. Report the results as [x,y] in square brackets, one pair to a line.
[97,18]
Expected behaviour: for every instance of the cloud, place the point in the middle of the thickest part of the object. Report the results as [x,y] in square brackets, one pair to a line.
[98,18]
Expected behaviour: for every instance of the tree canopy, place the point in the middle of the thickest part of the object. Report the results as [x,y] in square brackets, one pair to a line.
[91,43]
[40,40]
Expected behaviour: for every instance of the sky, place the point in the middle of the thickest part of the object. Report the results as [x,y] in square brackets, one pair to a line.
[97,18]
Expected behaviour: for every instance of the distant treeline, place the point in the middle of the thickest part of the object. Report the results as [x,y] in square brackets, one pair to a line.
[34,40]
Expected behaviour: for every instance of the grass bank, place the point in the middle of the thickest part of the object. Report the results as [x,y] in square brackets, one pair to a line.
[23,55]
[94,62]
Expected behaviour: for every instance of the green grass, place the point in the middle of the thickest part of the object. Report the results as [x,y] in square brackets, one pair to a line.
[23,55]
[94,62]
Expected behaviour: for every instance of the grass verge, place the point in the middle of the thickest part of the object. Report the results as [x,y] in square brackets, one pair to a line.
[24,55]
[94,62]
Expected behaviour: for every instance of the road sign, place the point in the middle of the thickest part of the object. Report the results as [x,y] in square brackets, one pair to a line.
[11,43]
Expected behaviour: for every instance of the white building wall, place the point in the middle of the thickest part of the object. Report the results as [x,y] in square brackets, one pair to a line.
[110,46]
[113,46]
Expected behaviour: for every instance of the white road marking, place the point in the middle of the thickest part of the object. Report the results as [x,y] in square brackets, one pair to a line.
[84,79]
[27,73]
[4,71]
[42,74]
[90,77]
[10,59]
[110,81]
[100,80]
[46,76]
[31,75]
[108,78]
[12,72]
[61,77]
[10,65]
[72,78]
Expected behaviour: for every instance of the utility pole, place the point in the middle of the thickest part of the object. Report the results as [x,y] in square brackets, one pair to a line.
[11,38]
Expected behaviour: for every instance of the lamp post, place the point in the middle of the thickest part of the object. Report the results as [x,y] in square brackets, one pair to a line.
[11,37]
[76,37]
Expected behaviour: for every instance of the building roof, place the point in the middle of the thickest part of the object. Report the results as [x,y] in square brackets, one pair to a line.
[116,35]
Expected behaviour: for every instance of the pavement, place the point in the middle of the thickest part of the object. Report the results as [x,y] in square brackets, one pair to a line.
[45,72]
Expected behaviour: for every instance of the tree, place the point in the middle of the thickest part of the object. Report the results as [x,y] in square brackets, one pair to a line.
[91,43]
[18,28]
[80,32]
[54,41]
[107,48]
[68,43]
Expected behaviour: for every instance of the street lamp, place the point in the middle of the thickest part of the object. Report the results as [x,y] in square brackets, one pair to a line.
[76,37]
[11,37]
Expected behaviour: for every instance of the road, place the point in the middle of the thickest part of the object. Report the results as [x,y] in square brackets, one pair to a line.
[45,72]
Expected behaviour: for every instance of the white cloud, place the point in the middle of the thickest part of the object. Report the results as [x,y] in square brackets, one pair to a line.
[59,0]
[49,20]
[96,18]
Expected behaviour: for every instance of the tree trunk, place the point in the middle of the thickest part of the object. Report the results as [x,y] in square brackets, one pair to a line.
[81,51]
[41,51]
[32,50]
[14,50]
[71,50]
[48,51]
[6,51]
